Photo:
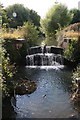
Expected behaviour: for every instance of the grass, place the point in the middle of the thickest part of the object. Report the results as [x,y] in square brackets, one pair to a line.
[71,34]
[13,33]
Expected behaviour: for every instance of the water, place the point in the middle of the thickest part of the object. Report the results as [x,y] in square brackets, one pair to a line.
[52,98]
[44,56]
[47,59]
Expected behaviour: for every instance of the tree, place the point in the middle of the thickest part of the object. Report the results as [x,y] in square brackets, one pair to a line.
[31,34]
[5,20]
[57,17]
[1,5]
[22,15]
[75,15]
[34,18]
[17,14]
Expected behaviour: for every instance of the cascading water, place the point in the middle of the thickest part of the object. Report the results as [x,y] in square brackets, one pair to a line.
[44,58]
[48,49]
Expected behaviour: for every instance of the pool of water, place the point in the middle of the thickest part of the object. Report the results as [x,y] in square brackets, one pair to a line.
[52,98]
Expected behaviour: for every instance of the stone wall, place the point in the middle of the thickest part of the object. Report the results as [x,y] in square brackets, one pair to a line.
[39,49]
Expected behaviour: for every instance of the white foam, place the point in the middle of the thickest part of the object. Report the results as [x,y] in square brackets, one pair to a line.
[47,67]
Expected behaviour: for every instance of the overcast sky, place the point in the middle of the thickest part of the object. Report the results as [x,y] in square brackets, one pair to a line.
[41,6]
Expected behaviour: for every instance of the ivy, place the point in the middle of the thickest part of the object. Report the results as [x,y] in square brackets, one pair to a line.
[8,71]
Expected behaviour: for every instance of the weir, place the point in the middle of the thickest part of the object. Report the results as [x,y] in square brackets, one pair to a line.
[44,56]
[43,86]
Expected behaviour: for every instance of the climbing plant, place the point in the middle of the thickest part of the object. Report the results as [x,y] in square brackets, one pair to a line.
[8,71]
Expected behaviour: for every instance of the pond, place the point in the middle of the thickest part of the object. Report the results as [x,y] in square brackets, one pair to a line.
[51,99]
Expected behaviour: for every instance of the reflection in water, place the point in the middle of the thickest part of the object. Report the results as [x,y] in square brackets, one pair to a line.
[51,98]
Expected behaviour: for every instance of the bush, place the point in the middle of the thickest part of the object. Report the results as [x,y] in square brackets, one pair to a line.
[31,34]
[73,53]
[12,33]
[28,31]
[76,73]
[8,71]
[16,55]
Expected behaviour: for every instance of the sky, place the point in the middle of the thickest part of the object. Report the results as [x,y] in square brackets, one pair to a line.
[41,6]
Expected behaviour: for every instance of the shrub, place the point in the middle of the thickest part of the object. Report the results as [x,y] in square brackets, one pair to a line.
[31,34]
[76,74]
[73,53]
[8,71]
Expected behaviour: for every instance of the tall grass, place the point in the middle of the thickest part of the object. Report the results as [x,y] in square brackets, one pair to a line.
[72,34]
[11,33]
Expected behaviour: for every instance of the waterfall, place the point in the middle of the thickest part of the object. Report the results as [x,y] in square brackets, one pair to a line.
[44,58]
[48,49]
[30,60]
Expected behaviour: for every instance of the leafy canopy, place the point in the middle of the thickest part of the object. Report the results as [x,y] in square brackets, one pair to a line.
[75,15]
[58,16]
[31,34]
[22,15]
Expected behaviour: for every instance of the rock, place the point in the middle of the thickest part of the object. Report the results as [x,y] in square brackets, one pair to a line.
[44,96]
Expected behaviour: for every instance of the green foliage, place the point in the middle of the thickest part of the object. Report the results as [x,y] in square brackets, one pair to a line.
[75,15]
[31,34]
[50,41]
[5,21]
[76,74]
[16,55]
[8,71]
[22,15]
[73,53]
[69,52]
[58,16]
[34,18]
